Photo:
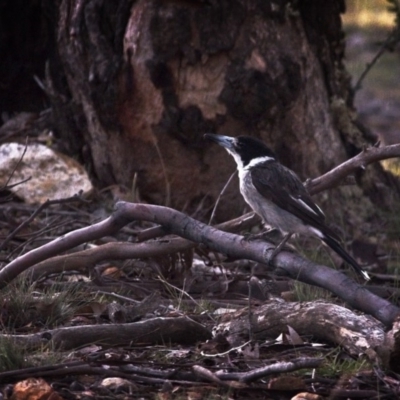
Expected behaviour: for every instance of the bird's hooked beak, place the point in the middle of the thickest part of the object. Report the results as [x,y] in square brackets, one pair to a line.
[225,141]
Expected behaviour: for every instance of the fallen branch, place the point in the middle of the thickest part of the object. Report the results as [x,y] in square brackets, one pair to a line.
[327,322]
[276,368]
[88,369]
[235,246]
[180,330]
[151,376]
[87,259]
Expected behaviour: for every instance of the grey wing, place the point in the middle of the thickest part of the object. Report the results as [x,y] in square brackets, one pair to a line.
[300,194]
[289,194]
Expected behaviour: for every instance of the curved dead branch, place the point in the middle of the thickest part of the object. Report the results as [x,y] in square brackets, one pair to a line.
[336,175]
[180,330]
[235,246]
[87,259]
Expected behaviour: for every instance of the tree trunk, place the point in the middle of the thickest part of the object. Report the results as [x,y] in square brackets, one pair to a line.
[145,79]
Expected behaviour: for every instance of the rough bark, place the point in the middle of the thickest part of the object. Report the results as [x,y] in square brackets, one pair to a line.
[149,77]
[157,330]
[358,334]
[133,85]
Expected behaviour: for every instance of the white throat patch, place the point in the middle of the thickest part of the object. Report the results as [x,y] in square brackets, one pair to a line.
[257,161]
[237,158]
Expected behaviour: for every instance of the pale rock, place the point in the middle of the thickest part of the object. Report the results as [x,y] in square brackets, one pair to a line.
[53,175]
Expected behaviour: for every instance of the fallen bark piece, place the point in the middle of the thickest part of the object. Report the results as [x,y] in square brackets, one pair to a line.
[392,349]
[358,334]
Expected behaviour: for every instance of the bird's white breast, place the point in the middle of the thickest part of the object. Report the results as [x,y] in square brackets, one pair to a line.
[271,214]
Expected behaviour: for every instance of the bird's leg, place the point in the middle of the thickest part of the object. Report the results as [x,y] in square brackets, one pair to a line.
[278,248]
[255,236]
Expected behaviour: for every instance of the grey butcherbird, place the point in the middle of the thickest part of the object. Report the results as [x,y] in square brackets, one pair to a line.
[278,196]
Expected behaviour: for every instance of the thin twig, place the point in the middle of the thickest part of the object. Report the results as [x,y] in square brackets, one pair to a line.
[250,314]
[34,236]
[377,56]
[226,352]
[118,296]
[278,367]
[6,186]
[219,197]
[182,292]
[76,197]
[164,168]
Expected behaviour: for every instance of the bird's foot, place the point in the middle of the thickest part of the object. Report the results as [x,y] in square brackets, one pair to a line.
[270,254]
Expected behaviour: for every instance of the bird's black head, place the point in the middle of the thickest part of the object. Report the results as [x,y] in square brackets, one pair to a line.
[244,149]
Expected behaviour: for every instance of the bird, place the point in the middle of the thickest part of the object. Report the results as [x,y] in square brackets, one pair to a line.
[278,196]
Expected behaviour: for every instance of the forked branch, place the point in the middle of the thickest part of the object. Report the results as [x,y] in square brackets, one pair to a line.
[235,246]
[361,160]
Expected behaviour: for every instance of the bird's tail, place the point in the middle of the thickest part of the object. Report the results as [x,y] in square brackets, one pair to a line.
[335,246]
